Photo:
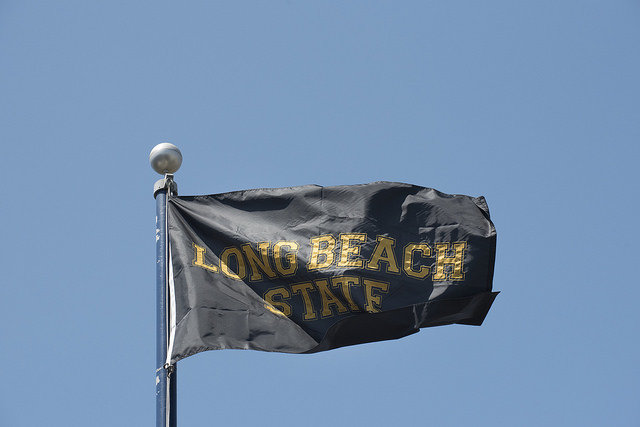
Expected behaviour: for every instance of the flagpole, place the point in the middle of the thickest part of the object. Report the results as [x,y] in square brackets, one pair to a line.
[165,159]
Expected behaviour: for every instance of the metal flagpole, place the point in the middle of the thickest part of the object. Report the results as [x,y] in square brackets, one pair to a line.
[165,159]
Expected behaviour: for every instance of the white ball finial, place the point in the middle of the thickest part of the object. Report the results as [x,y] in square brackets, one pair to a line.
[165,158]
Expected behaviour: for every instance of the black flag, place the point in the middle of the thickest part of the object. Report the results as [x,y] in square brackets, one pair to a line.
[308,269]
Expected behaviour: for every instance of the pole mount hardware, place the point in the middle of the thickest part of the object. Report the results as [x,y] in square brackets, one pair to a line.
[166,183]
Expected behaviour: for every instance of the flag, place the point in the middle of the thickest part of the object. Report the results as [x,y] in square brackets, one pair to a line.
[310,268]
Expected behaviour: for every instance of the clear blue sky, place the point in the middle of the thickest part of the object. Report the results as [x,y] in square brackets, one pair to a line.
[534,105]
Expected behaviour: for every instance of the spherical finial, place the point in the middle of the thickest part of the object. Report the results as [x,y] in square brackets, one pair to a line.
[165,158]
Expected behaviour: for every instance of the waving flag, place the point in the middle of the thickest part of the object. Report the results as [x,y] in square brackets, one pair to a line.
[310,268]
